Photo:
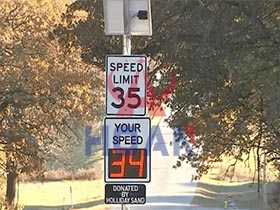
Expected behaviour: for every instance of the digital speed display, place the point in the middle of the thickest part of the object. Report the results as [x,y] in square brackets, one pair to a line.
[127,163]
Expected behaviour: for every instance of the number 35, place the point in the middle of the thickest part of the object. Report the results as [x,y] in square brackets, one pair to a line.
[132,94]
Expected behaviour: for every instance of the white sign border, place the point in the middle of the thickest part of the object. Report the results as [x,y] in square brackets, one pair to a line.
[107,89]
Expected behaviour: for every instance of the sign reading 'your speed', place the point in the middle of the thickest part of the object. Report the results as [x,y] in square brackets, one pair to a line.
[126,85]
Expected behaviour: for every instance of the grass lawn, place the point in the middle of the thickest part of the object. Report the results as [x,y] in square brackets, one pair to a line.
[56,195]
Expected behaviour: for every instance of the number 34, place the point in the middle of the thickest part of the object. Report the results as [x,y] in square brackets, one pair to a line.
[122,163]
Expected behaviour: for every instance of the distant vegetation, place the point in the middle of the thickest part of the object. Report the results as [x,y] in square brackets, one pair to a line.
[72,164]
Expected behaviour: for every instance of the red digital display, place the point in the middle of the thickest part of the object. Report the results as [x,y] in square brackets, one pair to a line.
[127,163]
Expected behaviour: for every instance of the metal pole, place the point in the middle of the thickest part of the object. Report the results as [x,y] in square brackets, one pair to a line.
[124,207]
[265,181]
[71,198]
[126,47]
[265,166]
[126,36]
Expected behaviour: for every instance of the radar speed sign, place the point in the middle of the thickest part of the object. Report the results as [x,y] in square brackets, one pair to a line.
[127,149]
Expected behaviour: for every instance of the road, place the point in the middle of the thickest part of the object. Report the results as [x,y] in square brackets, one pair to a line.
[169,187]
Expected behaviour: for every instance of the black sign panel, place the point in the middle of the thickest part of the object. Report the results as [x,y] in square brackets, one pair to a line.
[127,163]
[125,194]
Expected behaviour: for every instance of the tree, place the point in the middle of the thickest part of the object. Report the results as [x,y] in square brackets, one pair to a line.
[228,69]
[225,57]
[45,90]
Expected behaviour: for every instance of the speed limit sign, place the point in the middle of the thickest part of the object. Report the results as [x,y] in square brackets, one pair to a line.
[126,85]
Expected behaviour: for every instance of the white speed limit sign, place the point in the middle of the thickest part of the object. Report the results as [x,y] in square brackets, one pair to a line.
[126,85]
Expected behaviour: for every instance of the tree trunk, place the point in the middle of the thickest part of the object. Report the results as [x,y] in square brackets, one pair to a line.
[11,189]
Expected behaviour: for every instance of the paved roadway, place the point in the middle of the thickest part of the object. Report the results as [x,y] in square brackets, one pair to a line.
[169,188]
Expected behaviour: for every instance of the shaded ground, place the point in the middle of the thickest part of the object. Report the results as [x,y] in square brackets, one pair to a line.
[243,195]
[217,186]
[214,189]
